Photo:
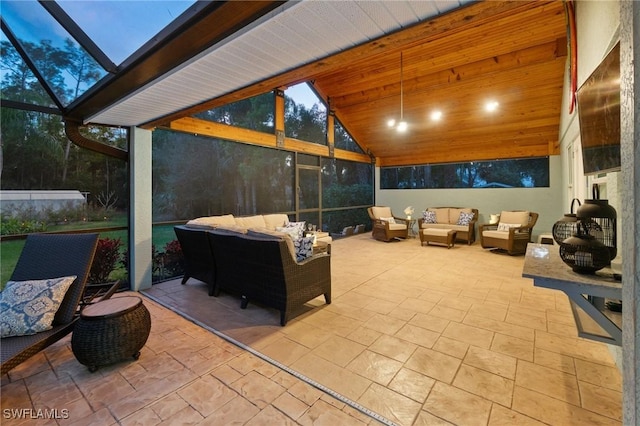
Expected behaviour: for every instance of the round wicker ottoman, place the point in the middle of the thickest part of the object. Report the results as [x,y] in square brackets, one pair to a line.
[110,331]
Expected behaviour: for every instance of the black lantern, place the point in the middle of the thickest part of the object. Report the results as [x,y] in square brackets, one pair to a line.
[584,253]
[567,226]
[600,219]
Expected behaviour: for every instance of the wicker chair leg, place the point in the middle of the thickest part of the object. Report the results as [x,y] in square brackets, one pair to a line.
[244,302]
[184,279]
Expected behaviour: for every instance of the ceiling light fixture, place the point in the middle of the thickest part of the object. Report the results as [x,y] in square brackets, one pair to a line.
[436,115]
[492,106]
[401,126]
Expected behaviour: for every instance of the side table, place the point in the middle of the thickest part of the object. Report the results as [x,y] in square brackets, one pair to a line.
[110,331]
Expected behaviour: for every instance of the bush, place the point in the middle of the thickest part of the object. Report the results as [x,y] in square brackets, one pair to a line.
[13,226]
[105,261]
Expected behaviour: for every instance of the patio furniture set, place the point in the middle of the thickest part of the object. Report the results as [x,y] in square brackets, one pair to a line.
[264,259]
[446,225]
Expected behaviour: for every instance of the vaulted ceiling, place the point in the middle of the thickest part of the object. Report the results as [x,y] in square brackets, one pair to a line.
[454,61]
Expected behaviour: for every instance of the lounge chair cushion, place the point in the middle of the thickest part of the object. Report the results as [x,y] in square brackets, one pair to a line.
[28,307]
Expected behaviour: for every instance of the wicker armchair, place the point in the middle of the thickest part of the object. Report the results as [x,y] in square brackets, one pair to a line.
[198,257]
[385,230]
[511,234]
[51,256]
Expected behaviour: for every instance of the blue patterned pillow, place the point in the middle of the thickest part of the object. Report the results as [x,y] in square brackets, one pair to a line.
[429,217]
[304,248]
[465,218]
[28,307]
[299,226]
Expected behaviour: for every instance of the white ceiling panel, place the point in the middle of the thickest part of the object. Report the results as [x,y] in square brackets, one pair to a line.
[294,35]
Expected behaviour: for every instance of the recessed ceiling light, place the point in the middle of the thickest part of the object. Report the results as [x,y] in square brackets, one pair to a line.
[491,106]
[391,123]
[436,115]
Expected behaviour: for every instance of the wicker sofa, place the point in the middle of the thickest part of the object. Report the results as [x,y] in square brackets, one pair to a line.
[450,218]
[244,256]
[259,267]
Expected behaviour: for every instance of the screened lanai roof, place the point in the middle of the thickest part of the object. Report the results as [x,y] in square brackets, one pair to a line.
[147,63]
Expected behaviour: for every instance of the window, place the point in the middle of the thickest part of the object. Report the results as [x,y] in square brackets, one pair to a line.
[520,173]
[305,115]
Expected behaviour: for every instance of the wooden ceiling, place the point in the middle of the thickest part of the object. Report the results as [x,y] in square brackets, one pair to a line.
[513,52]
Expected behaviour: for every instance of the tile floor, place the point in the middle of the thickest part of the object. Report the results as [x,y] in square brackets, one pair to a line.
[414,336]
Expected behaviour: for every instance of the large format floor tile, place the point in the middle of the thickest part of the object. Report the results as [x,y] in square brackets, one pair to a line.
[415,335]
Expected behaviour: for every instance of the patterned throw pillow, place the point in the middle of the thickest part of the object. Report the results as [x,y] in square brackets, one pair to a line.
[28,307]
[304,248]
[429,217]
[299,226]
[388,219]
[465,218]
[506,226]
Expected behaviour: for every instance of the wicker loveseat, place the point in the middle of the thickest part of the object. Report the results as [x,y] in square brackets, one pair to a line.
[259,267]
[450,218]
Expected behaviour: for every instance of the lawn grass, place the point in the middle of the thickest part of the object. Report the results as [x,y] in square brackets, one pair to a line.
[10,250]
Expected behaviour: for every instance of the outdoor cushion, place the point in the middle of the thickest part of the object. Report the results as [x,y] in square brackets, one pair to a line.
[515,217]
[379,212]
[454,214]
[209,222]
[269,234]
[496,234]
[256,221]
[504,227]
[442,215]
[465,218]
[429,217]
[28,307]
[272,221]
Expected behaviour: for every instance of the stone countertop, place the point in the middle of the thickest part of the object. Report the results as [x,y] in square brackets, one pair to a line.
[543,264]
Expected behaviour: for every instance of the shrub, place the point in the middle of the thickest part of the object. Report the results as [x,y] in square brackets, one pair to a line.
[105,261]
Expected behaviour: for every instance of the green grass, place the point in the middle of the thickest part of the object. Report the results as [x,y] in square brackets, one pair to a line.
[10,250]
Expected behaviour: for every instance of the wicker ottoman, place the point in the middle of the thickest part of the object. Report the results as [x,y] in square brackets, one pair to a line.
[438,236]
[110,331]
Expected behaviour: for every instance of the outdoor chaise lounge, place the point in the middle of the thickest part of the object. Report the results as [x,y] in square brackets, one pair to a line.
[47,256]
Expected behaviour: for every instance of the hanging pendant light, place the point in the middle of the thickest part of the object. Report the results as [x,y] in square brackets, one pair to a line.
[401,126]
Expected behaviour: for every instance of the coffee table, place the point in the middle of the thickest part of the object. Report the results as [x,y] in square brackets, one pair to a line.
[439,236]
